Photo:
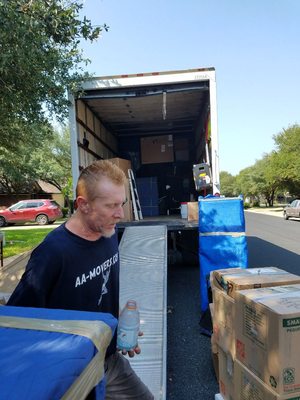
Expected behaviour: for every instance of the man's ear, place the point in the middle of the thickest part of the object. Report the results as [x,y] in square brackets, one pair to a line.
[82,204]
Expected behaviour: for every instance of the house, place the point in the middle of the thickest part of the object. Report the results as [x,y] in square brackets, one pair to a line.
[38,190]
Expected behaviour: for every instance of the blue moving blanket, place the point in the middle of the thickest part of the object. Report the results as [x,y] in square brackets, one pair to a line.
[42,365]
[222,239]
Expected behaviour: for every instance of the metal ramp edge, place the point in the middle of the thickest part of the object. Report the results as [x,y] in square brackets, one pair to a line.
[143,277]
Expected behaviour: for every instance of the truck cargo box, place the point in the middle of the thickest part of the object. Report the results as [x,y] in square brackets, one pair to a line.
[163,123]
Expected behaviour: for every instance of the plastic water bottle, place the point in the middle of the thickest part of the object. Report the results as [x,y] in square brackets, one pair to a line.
[128,326]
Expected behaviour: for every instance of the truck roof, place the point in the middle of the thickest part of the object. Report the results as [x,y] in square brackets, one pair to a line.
[157,73]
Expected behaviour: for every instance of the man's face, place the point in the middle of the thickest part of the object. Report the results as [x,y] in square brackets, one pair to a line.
[106,207]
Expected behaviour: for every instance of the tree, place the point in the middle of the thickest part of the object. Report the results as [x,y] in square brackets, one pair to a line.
[287,158]
[246,184]
[227,183]
[278,170]
[49,160]
[267,178]
[15,169]
[40,60]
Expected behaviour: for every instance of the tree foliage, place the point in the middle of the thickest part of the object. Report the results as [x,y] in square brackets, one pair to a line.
[277,172]
[266,178]
[246,183]
[40,60]
[288,160]
[228,185]
[49,160]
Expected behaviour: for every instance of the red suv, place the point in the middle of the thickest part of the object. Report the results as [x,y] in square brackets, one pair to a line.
[40,211]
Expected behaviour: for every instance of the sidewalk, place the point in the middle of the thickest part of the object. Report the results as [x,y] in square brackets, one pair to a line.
[10,260]
[32,226]
[274,211]
[11,273]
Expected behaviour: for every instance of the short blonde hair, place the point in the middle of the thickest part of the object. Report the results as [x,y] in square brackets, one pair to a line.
[94,173]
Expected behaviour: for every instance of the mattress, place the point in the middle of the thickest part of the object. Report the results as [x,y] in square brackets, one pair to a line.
[52,354]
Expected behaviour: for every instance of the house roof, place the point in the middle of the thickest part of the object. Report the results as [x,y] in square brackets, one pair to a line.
[48,187]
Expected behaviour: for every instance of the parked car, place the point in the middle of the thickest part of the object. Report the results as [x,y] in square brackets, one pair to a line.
[40,211]
[292,210]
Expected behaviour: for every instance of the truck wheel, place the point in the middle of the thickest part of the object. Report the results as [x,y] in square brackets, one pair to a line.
[42,219]
[2,221]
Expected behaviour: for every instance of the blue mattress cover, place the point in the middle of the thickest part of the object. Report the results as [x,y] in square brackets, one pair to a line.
[222,239]
[42,365]
[221,215]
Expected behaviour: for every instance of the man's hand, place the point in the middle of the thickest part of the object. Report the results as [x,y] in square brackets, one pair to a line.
[132,352]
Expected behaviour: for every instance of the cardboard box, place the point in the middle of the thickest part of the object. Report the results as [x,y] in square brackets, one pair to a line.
[214,347]
[215,356]
[248,386]
[223,321]
[232,279]
[211,310]
[226,375]
[127,208]
[193,211]
[267,329]
[181,149]
[123,164]
[157,149]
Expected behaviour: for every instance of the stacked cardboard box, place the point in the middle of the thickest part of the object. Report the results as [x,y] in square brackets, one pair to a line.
[235,296]
[268,337]
[193,211]
[125,165]
[248,386]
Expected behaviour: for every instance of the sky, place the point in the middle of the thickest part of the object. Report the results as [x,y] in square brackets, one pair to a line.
[254,46]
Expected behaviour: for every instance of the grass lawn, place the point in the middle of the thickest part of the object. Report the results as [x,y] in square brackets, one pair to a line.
[20,240]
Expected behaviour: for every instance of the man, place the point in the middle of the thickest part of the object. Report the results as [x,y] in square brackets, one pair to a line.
[76,267]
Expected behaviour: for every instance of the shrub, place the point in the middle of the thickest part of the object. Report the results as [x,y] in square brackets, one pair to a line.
[65,211]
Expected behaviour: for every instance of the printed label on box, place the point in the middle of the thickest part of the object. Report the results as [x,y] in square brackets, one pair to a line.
[249,390]
[255,324]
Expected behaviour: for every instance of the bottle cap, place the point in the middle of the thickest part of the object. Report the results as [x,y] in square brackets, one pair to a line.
[131,304]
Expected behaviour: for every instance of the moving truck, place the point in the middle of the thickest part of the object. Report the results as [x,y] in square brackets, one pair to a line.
[163,123]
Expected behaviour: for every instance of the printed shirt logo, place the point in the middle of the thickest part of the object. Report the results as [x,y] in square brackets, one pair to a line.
[101,270]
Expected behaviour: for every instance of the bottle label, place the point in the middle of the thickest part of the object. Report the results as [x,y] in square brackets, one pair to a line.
[127,338]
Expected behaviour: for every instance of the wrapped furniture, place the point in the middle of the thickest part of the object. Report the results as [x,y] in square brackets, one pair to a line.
[222,239]
[48,354]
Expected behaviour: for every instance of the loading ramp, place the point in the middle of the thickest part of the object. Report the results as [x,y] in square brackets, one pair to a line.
[143,277]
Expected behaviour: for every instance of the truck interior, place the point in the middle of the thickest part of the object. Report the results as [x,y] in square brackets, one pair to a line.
[162,129]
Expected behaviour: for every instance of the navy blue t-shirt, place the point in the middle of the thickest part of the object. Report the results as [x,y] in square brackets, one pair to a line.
[68,272]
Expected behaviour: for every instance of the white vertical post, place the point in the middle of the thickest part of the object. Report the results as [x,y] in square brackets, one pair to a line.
[214,133]
[73,141]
